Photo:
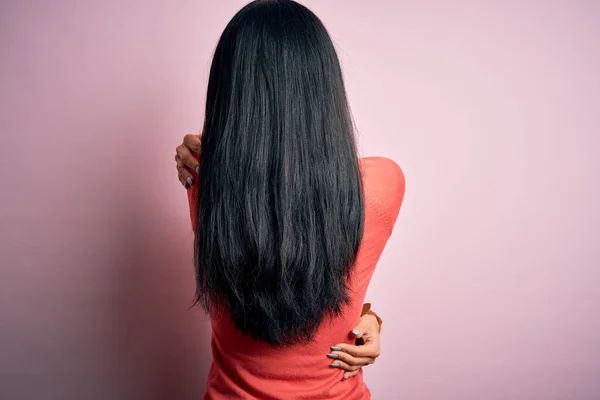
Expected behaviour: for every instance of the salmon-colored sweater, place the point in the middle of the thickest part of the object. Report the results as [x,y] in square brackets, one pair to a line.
[244,368]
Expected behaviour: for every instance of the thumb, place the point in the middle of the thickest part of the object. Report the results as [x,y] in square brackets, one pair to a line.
[367,325]
[360,329]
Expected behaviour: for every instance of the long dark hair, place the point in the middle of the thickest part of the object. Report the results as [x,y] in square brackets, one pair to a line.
[280,203]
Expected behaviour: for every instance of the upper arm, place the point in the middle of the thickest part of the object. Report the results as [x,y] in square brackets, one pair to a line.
[385,188]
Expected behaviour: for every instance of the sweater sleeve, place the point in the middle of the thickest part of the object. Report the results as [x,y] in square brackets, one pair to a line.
[192,194]
[386,189]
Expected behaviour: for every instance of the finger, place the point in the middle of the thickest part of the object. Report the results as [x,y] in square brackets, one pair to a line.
[184,175]
[369,349]
[348,375]
[192,142]
[182,181]
[186,181]
[349,359]
[187,158]
[345,366]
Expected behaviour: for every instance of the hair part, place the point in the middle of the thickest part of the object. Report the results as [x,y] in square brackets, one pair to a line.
[281,210]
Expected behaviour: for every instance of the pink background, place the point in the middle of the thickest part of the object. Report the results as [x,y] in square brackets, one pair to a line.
[489,286]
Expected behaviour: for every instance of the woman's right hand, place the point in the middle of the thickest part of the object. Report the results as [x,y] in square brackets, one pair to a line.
[185,159]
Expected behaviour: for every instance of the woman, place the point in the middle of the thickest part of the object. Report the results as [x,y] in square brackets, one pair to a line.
[351,358]
[289,223]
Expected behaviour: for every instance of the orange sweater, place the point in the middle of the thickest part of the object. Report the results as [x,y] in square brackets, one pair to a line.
[244,368]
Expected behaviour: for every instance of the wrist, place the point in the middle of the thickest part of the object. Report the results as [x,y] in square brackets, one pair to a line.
[371,318]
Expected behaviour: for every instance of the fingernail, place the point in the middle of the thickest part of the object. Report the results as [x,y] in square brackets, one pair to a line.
[185,185]
[356,332]
[332,355]
[335,348]
[335,365]
[198,169]
[189,180]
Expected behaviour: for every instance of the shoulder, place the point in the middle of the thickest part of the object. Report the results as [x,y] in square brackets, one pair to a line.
[383,185]
[382,177]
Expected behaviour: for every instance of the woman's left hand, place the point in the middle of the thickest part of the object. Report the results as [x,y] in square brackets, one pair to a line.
[352,358]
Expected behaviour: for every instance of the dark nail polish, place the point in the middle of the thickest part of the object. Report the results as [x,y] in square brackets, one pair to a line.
[332,355]
[185,185]
[335,348]
[335,365]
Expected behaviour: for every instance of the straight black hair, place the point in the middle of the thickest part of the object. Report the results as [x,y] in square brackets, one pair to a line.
[281,212]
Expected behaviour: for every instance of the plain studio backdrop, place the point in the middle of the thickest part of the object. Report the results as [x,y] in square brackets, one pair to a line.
[489,285]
